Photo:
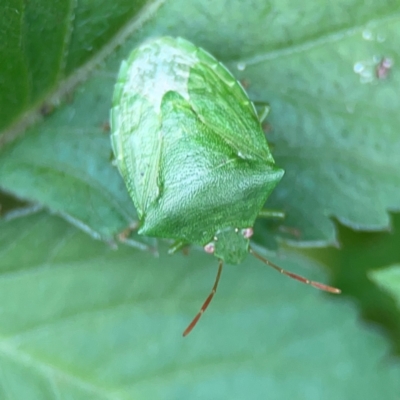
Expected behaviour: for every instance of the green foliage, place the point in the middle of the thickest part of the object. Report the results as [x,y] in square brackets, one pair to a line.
[354,264]
[81,319]
[325,119]
[46,43]
[389,279]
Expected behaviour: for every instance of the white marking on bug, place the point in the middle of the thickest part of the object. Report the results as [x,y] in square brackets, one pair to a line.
[159,69]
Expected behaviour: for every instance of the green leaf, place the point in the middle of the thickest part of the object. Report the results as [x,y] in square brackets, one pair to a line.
[83,321]
[359,256]
[8,203]
[69,179]
[334,124]
[46,43]
[389,280]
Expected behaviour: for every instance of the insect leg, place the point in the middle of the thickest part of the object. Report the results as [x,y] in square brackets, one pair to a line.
[206,303]
[317,285]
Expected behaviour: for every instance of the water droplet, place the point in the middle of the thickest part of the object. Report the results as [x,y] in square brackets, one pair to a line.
[367,34]
[358,67]
[241,66]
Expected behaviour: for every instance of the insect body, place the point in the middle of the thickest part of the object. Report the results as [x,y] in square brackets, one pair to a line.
[190,148]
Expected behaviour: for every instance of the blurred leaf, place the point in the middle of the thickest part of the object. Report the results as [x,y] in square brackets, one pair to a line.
[389,280]
[360,255]
[83,321]
[8,203]
[334,124]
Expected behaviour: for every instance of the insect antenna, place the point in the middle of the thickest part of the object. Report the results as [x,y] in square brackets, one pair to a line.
[317,285]
[207,302]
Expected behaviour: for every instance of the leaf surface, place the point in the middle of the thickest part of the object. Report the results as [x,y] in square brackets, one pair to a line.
[388,279]
[333,127]
[83,321]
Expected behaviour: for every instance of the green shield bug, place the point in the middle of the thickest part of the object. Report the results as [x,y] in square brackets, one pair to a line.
[189,145]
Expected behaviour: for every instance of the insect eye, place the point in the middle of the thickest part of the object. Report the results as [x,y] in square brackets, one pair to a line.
[247,233]
[209,248]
